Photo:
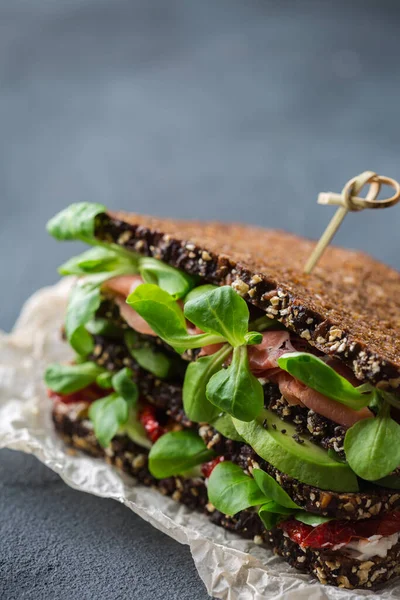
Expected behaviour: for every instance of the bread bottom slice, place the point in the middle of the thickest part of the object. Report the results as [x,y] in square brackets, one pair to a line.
[329,567]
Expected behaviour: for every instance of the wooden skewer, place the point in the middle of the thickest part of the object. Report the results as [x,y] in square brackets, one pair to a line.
[349,201]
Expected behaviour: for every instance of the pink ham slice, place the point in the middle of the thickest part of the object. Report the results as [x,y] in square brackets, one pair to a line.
[122,286]
[264,357]
[296,392]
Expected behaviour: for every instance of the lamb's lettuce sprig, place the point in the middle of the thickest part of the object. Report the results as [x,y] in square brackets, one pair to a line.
[157,363]
[372,445]
[223,316]
[166,318]
[198,374]
[83,303]
[235,390]
[76,222]
[230,490]
[223,312]
[67,379]
[110,413]
[176,452]
[100,260]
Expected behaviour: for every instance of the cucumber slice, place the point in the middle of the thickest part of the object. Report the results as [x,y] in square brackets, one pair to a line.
[303,461]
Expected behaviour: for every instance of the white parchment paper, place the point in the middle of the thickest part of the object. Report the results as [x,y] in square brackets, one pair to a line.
[230,567]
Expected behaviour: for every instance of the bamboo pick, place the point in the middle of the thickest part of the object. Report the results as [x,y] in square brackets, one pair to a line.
[349,201]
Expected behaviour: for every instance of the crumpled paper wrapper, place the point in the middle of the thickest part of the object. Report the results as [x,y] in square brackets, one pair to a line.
[230,567]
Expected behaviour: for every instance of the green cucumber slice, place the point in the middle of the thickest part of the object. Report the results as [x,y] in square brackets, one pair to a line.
[303,461]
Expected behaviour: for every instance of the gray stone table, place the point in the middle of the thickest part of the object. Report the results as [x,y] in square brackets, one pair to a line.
[242,110]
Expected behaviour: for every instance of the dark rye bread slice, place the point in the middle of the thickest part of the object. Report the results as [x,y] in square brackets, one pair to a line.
[330,567]
[168,398]
[349,307]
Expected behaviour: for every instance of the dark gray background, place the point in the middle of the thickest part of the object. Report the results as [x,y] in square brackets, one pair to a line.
[242,110]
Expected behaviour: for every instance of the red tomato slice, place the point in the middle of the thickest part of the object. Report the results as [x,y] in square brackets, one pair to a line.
[88,394]
[337,532]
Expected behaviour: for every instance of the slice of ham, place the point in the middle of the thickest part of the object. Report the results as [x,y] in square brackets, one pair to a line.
[296,392]
[122,286]
[287,387]
[264,357]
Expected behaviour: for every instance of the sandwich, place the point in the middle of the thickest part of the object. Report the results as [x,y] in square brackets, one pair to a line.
[211,368]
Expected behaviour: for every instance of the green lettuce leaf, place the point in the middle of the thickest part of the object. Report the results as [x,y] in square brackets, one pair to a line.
[174,281]
[100,260]
[372,446]
[107,415]
[235,390]
[110,413]
[231,491]
[66,379]
[222,312]
[176,452]
[319,376]
[125,387]
[272,489]
[271,513]
[76,222]
[166,318]
[157,363]
[195,403]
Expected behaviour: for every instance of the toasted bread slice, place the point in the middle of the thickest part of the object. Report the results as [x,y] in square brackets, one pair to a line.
[348,307]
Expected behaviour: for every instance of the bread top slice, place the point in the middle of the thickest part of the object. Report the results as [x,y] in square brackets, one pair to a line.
[348,307]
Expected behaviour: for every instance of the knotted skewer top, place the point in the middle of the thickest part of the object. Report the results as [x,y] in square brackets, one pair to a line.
[348,201]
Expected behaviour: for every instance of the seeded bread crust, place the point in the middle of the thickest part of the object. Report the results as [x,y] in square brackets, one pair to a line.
[329,567]
[349,307]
